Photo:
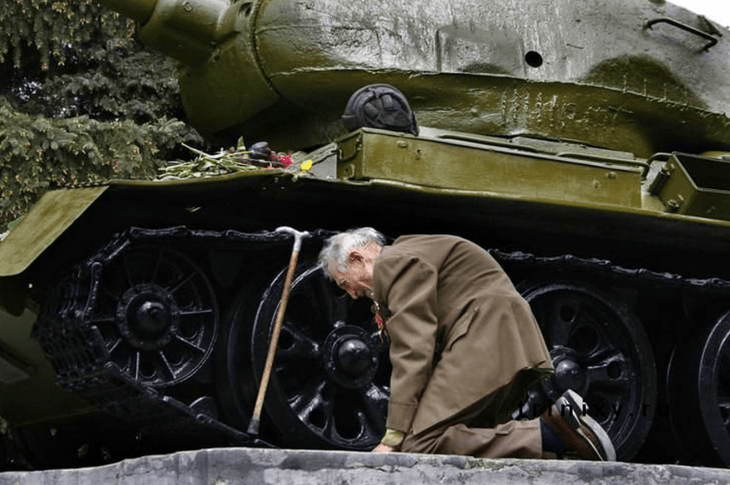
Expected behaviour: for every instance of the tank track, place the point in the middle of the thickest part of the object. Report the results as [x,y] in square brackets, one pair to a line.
[605,268]
[75,347]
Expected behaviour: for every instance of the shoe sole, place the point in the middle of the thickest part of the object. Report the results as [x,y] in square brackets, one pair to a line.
[578,419]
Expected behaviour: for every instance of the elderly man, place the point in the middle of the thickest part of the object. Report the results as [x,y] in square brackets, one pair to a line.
[464,348]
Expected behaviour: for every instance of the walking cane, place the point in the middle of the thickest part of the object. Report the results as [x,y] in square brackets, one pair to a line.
[253,425]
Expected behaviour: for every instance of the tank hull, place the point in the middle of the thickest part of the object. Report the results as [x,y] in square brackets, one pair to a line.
[608,243]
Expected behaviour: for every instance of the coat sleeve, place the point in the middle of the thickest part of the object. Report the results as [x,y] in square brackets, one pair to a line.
[408,286]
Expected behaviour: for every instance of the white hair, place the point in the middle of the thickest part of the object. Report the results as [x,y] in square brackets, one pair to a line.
[337,248]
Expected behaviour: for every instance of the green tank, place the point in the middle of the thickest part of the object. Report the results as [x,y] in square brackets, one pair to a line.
[585,144]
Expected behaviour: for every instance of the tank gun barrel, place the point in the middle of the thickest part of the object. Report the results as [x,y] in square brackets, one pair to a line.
[137,10]
[187,30]
[212,40]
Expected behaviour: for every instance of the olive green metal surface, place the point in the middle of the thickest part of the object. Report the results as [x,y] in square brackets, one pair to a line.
[48,219]
[696,186]
[636,75]
[137,10]
[488,169]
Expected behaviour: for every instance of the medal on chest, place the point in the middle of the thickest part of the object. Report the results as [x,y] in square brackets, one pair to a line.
[380,321]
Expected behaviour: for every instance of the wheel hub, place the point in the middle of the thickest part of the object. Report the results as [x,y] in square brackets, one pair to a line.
[348,357]
[147,317]
[354,356]
[151,319]
[569,374]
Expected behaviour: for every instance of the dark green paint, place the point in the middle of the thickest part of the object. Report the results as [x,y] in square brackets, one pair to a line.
[442,163]
[695,186]
[588,71]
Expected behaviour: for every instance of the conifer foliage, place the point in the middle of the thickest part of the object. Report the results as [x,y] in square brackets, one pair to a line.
[81,101]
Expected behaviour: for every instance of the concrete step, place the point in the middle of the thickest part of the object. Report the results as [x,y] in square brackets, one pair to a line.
[233,466]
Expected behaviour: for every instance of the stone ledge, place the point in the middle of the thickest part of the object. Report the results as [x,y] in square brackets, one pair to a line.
[234,466]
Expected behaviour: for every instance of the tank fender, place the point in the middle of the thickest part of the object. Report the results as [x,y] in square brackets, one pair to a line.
[47,220]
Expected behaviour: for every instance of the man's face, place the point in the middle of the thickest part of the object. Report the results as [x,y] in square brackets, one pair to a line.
[357,280]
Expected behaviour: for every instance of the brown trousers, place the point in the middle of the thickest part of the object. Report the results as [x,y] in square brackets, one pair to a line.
[513,439]
[484,429]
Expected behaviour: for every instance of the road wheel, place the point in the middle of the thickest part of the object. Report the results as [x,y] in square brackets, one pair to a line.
[600,350]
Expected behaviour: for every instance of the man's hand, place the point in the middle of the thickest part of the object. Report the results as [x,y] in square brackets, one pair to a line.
[381,448]
[391,441]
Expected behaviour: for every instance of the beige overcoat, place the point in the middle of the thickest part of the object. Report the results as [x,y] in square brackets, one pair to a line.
[459,330]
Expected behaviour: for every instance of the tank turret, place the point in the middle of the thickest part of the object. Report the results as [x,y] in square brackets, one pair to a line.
[638,76]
